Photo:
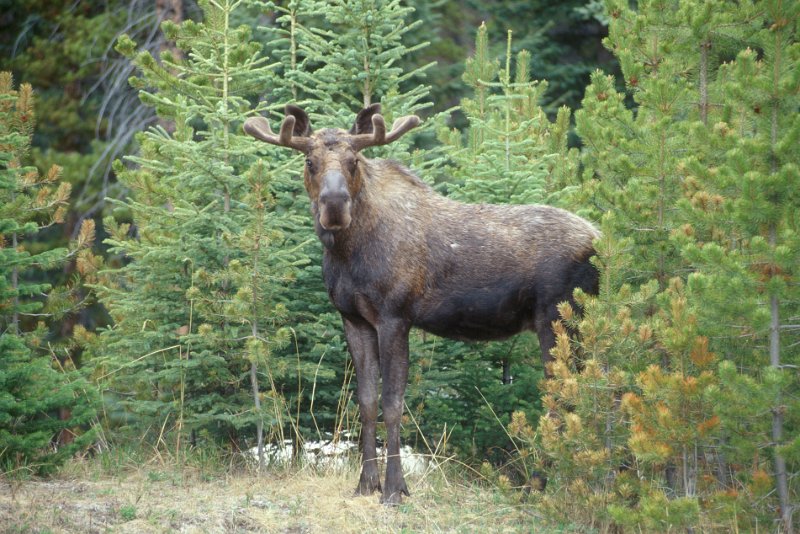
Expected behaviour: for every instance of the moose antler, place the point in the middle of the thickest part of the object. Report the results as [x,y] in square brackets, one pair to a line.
[378,136]
[258,127]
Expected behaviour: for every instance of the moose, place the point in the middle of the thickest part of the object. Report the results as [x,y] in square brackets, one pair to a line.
[399,255]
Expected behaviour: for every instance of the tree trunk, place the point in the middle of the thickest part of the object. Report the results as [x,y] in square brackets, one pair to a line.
[781,478]
[507,378]
[171,10]
[704,47]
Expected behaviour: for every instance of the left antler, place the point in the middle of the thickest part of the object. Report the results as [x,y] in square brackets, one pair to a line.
[378,136]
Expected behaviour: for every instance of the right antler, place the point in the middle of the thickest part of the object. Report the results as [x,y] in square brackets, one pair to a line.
[258,127]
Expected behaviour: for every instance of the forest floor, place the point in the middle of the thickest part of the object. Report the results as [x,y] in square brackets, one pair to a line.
[150,499]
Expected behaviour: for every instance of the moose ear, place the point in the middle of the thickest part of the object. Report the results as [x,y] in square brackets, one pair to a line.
[302,124]
[363,124]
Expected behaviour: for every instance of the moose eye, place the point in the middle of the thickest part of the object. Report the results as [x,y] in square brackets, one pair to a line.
[309,164]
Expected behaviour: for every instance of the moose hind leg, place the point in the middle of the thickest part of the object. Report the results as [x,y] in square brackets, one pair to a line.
[581,274]
[543,324]
[362,341]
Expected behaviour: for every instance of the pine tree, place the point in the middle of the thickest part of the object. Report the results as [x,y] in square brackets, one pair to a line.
[749,247]
[32,391]
[650,166]
[582,440]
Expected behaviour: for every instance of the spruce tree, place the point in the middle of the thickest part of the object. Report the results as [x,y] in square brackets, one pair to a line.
[513,153]
[34,386]
[200,304]
[359,58]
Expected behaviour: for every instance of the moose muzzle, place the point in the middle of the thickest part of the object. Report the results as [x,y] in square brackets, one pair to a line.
[334,202]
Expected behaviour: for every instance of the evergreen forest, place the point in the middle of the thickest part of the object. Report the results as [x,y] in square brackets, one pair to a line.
[161,290]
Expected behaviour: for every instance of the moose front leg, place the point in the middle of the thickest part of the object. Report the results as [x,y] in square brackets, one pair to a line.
[362,340]
[393,346]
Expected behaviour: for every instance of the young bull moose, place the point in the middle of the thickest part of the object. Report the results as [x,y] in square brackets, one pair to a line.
[398,255]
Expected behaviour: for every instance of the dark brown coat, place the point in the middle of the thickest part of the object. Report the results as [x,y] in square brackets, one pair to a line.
[399,255]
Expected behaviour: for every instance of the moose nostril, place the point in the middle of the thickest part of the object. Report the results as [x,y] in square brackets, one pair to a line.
[334,197]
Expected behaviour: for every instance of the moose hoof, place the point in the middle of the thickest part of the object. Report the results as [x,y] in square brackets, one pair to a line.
[367,485]
[394,498]
[537,482]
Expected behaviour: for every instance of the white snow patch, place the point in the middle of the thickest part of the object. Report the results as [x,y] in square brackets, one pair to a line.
[339,454]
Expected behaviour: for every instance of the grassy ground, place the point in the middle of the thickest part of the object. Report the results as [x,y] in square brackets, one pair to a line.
[151,496]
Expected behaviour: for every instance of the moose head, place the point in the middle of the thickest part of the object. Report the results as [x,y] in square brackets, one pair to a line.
[333,175]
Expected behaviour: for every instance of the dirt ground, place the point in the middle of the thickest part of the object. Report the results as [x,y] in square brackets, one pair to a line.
[150,501]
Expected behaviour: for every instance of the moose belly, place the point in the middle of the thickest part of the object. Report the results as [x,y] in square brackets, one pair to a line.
[475,314]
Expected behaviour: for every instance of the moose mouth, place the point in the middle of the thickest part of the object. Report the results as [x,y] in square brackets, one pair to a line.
[335,215]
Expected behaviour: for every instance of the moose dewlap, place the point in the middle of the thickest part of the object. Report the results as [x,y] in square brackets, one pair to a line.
[399,255]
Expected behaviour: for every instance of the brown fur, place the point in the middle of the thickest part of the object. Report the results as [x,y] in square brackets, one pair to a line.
[398,255]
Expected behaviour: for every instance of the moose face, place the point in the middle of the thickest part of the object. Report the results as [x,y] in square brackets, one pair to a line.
[334,166]
[333,178]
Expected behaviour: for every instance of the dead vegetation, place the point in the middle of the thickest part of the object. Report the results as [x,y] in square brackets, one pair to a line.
[146,499]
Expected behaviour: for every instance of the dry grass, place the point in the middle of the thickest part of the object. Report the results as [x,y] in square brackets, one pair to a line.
[145,499]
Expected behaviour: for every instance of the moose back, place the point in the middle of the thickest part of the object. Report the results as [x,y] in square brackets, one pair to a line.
[399,255]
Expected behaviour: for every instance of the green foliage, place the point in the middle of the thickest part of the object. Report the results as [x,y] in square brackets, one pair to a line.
[33,396]
[695,177]
[338,57]
[457,397]
[513,153]
[564,38]
[357,53]
[683,411]
[202,303]
[32,391]
[127,512]
[748,247]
